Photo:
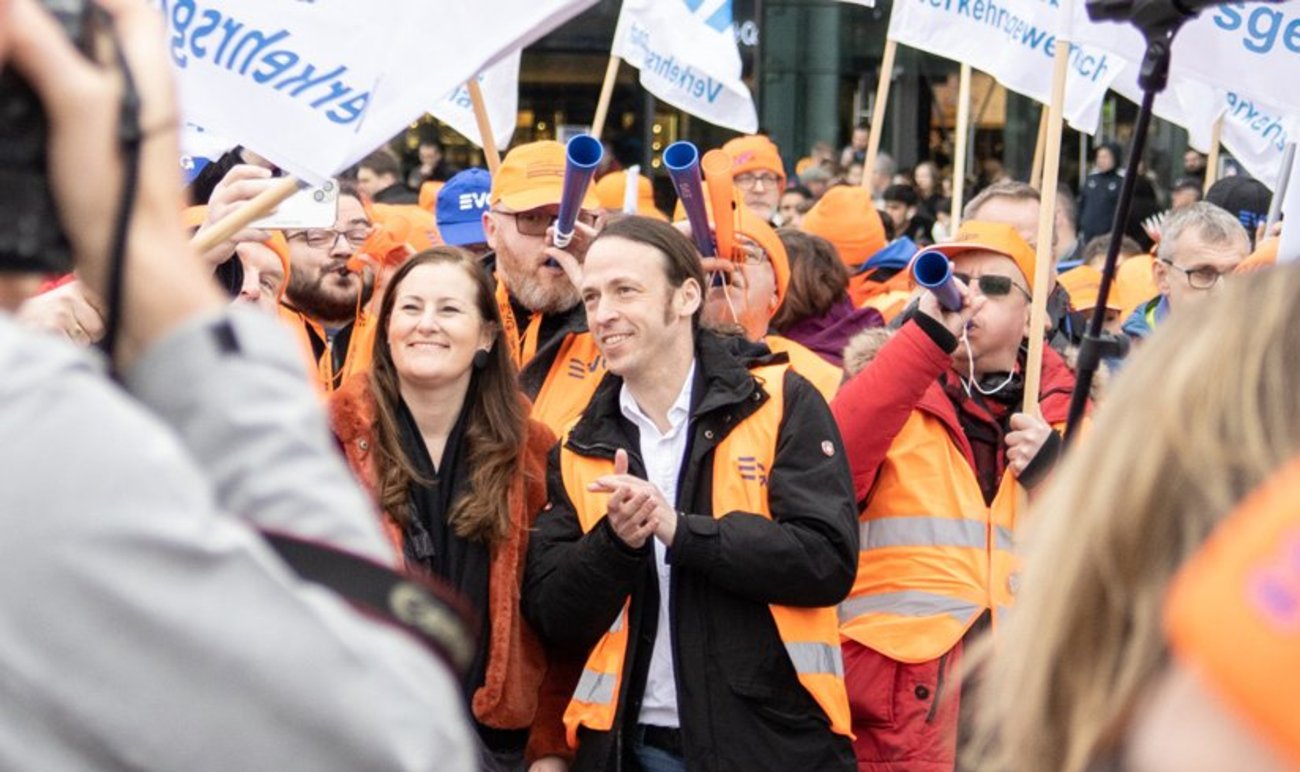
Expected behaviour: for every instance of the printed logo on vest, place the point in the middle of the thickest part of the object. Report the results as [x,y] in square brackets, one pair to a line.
[752,469]
[579,369]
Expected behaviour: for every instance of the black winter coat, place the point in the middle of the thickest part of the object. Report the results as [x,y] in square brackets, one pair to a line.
[740,703]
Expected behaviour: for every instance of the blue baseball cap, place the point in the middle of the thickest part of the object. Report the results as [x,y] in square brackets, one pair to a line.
[461,204]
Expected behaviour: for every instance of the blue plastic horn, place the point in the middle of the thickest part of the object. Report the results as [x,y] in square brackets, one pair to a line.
[933,270]
[682,159]
[581,157]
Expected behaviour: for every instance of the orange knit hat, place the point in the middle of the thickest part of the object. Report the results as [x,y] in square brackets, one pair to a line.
[755,152]
[277,244]
[1234,611]
[611,188]
[846,217]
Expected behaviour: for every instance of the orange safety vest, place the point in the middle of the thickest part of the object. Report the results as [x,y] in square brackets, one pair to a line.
[933,556]
[741,463]
[574,375]
[823,375]
[889,297]
[361,344]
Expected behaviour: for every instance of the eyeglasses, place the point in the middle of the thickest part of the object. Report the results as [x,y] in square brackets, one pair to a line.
[749,179]
[536,223]
[992,285]
[1201,278]
[326,238]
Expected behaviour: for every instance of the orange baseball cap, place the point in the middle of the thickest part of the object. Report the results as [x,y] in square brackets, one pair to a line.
[611,188]
[983,236]
[846,217]
[1234,610]
[1083,284]
[531,176]
[1134,283]
[755,152]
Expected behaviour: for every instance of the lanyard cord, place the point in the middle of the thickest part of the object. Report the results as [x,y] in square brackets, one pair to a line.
[129,138]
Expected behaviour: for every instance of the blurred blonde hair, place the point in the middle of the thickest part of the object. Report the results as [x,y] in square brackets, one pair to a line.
[1207,409]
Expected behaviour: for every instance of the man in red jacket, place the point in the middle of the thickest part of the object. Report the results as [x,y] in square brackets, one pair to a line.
[936,445]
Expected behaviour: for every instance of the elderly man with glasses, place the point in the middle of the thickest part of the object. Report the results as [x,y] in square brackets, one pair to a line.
[758,173]
[1199,245]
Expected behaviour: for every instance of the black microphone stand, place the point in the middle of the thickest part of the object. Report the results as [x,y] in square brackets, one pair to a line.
[1158,21]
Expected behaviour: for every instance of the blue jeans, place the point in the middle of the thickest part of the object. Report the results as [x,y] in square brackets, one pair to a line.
[655,759]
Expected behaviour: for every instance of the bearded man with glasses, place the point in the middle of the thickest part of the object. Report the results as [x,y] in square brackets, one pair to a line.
[1199,245]
[546,326]
[325,300]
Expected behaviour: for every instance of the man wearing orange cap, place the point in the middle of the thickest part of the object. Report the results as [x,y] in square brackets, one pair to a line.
[758,173]
[745,294]
[546,326]
[937,444]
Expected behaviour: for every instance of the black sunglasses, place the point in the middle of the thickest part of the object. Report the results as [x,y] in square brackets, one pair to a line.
[992,286]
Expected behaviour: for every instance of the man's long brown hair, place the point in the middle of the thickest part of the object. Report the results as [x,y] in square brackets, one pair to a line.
[496,428]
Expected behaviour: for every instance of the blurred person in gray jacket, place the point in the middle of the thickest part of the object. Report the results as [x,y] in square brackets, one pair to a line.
[145,623]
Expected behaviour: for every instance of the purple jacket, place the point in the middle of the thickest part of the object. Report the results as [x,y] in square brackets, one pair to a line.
[830,333]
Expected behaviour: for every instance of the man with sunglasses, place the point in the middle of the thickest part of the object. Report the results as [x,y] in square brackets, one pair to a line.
[559,364]
[1199,245]
[325,300]
[937,445]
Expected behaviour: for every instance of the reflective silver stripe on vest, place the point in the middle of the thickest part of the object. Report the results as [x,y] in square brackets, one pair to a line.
[618,622]
[595,688]
[812,658]
[923,531]
[908,603]
[1006,538]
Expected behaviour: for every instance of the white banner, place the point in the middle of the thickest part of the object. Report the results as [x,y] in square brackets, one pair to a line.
[500,87]
[314,87]
[1250,48]
[1015,42]
[686,52]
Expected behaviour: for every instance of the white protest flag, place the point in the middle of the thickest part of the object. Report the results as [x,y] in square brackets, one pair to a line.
[1257,135]
[314,87]
[686,52]
[500,86]
[867,3]
[1015,42]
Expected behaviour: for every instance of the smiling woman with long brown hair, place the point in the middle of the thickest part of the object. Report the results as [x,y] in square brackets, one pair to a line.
[439,433]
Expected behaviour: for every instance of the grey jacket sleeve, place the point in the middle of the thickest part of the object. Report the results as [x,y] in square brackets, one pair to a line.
[142,627]
[236,393]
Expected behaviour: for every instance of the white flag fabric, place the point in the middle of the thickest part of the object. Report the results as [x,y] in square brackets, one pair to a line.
[1251,48]
[1015,42]
[500,87]
[1221,66]
[316,86]
[867,3]
[686,52]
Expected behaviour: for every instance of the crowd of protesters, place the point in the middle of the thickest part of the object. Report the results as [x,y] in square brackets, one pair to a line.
[779,508]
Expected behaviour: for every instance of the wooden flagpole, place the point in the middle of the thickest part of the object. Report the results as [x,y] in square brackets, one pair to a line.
[606,94]
[878,112]
[490,151]
[959,150]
